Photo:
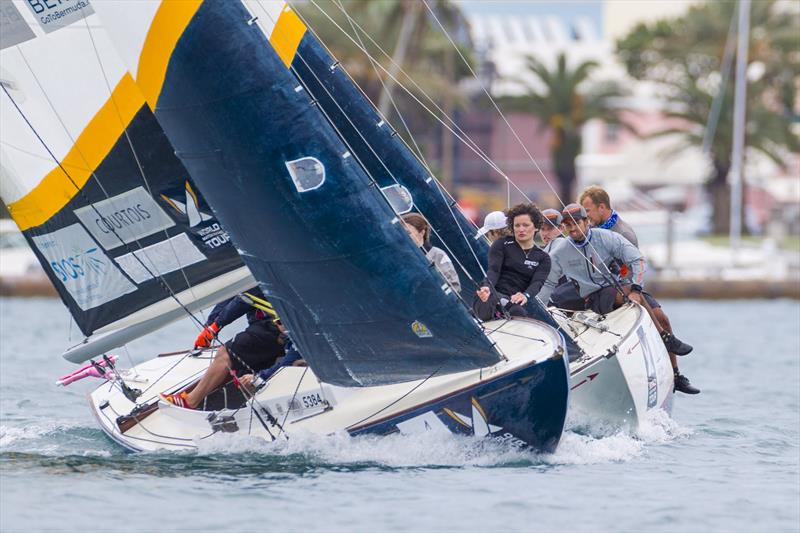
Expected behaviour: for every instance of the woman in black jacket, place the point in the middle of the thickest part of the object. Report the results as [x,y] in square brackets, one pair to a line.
[517,267]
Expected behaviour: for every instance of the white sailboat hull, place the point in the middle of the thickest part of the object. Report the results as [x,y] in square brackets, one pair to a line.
[625,372]
[521,400]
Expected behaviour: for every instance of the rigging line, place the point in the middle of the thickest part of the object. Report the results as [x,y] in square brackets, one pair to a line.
[363,93]
[136,157]
[354,153]
[80,191]
[26,152]
[471,145]
[291,401]
[418,151]
[415,387]
[469,141]
[130,359]
[463,137]
[439,187]
[505,120]
[725,64]
[167,371]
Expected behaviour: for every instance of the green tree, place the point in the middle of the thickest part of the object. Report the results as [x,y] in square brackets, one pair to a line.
[564,101]
[684,54]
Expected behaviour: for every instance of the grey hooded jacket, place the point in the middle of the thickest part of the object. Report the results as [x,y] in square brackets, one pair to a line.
[586,262]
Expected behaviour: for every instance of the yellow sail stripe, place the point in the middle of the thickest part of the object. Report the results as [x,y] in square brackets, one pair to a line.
[90,149]
[287,34]
[166,29]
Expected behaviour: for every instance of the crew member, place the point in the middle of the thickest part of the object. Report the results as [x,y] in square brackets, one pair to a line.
[494,226]
[597,203]
[517,267]
[585,263]
[250,351]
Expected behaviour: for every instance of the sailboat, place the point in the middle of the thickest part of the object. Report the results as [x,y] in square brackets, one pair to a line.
[210,102]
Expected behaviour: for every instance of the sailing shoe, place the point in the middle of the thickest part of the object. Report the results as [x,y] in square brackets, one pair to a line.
[180,399]
[674,344]
[682,384]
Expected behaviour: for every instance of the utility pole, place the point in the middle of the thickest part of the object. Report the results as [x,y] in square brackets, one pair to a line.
[737,154]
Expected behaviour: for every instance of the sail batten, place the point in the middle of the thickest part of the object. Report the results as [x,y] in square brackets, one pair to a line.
[361,302]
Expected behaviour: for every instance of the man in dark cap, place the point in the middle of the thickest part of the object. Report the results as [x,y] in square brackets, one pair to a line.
[584,260]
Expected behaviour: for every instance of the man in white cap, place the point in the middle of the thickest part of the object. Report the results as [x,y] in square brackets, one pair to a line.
[494,226]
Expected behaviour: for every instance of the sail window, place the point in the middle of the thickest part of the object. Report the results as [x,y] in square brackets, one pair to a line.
[399,198]
[308,173]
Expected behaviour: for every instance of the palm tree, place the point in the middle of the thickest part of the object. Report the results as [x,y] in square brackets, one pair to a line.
[562,102]
[766,132]
[683,54]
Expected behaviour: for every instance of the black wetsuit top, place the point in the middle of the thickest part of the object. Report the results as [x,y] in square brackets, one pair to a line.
[511,271]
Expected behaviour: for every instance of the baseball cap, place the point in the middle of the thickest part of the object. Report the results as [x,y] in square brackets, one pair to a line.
[494,220]
[574,211]
[553,216]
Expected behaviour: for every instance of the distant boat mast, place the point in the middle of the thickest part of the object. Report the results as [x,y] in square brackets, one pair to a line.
[737,153]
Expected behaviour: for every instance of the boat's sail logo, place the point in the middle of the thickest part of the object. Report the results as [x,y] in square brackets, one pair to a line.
[421,330]
[190,208]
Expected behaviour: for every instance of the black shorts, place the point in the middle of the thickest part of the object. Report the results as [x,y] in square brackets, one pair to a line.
[565,296]
[255,348]
[602,301]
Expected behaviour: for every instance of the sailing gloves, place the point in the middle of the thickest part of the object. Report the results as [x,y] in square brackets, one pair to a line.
[207,336]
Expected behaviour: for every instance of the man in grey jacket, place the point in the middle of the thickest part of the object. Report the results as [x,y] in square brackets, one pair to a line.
[584,259]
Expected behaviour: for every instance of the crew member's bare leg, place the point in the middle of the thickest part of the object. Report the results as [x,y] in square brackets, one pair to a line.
[663,318]
[637,297]
[657,316]
[665,323]
[216,375]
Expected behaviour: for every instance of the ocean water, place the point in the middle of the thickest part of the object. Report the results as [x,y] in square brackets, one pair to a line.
[727,460]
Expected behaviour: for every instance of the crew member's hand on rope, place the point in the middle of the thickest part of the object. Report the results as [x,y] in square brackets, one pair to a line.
[246,382]
[634,293]
[519,299]
[207,336]
[483,293]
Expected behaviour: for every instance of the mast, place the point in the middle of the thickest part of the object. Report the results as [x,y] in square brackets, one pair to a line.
[737,154]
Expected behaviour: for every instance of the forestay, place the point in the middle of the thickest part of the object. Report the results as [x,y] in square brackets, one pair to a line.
[362,303]
[91,180]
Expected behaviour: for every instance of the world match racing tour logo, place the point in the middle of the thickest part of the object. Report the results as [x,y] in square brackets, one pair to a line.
[202,224]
